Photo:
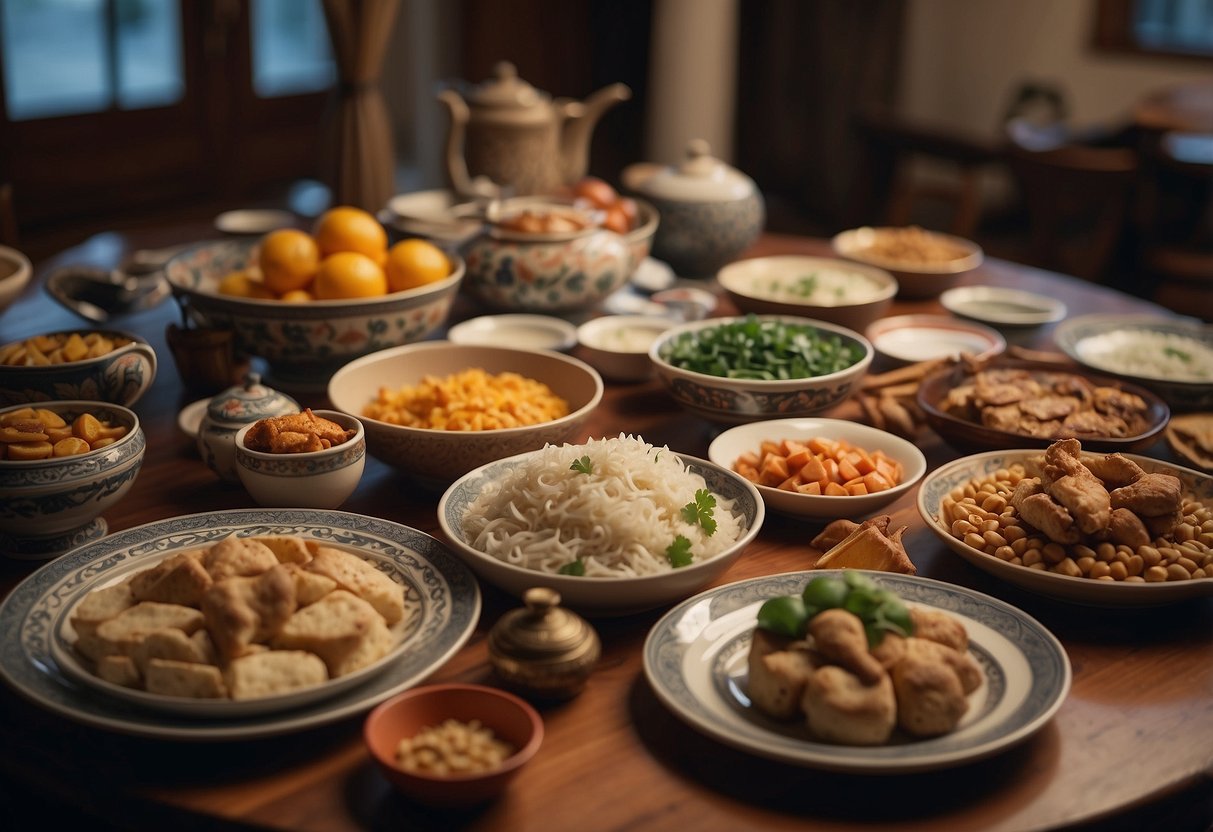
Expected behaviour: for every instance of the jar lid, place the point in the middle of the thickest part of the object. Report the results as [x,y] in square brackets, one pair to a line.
[505,90]
[544,634]
[701,177]
[249,402]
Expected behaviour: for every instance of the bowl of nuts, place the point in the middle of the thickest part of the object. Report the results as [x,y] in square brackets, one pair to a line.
[452,745]
[95,365]
[62,464]
[312,459]
[1004,512]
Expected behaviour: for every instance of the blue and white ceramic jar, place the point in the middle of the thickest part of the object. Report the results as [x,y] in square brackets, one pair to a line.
[231,410]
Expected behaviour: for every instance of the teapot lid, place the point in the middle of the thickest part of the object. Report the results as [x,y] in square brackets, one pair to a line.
[249,401]
[506,91]
[701,177]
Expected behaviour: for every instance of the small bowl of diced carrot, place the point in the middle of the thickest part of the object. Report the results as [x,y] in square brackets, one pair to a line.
[820,468]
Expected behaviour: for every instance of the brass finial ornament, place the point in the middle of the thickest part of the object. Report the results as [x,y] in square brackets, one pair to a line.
[544,649]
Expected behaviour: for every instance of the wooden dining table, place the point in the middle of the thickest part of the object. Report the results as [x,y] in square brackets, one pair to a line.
[1131,747]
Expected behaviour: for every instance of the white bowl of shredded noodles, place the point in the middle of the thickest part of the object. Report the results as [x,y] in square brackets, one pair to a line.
[615,525]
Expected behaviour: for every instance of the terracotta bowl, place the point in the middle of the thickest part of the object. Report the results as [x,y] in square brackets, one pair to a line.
[405,715]
[916,280]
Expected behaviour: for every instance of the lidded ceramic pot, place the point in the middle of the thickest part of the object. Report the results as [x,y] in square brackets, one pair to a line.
[710,212]
[231,410]
[544,649]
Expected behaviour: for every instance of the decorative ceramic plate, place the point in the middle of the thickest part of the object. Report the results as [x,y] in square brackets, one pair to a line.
[189,418]
[695,660]
[37,663]
[940,482]
[538,332]
[910,338]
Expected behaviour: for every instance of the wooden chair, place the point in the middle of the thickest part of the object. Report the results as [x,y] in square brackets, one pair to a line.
[891,193]
[1077,199]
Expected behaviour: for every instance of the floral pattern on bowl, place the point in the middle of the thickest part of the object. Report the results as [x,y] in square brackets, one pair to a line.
[120,376]
[304,342]
[50,506]
[747,405]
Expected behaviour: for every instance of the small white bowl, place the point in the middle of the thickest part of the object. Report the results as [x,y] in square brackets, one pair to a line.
[728,446]
[618,345]
[15,272]
[911,338]
[318,479]
[537,332]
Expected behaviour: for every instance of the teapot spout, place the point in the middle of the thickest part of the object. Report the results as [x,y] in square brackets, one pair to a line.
[580,119]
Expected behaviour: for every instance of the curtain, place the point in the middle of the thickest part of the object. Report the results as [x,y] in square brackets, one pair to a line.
[362,159]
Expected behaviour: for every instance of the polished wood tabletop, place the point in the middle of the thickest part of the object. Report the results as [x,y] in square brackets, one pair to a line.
[1132,742]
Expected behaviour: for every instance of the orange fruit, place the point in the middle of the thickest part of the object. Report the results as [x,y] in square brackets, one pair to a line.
[288,259]
[348,274]
[242,284]
[413,263]
[296,296]
[350,229]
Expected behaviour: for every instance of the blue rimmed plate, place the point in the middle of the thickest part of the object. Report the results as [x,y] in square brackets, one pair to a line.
[695,661]
[441,589]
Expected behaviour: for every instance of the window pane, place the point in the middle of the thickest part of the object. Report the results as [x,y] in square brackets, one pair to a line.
[291,52]
[1179,25]
[54,57]
[149,53]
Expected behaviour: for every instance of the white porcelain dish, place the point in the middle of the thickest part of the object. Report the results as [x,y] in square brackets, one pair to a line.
[1126,346]
[941,481]
[444,595]
[728,446]
[253,221]
[601,596]
[313,479]
[695,661]
[1000,306]
[189,418]
[911,338]
[618,345]
[533,332]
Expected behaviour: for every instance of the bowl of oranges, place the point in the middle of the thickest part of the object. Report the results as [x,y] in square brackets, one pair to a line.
[308,302]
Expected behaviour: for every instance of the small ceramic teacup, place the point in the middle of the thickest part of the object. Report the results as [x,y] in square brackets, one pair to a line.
[314,479]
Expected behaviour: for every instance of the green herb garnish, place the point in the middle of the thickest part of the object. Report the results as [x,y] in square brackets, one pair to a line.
[1173,352]
[679,552]
[700,511]
[573,567]
[585,465]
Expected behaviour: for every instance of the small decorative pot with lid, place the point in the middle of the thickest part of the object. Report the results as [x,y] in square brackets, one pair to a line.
[544,649]
[231,410]
[710,212]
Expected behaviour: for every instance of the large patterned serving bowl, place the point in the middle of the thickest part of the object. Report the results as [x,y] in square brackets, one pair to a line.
[49,506]
[121,375]
[556,272]
[737,400]
[435,458]
[304,342]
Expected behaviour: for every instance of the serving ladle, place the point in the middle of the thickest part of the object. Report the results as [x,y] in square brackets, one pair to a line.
[98,294]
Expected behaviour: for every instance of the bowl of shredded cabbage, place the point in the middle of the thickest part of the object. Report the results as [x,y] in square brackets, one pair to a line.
[615,525]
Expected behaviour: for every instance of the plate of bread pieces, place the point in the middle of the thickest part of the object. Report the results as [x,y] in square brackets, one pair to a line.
[237,623]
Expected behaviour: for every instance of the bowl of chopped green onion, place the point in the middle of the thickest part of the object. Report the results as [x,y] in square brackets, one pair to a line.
[745,369]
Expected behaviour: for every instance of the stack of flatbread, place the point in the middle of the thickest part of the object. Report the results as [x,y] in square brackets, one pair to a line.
[244,618]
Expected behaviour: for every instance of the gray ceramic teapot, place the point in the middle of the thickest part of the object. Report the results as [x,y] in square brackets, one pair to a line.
[506,133]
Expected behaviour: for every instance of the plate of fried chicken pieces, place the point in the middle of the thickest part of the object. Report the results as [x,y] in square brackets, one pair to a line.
[1092,528]
[857,671]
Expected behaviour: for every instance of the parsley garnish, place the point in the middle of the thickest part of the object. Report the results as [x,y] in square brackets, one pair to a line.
[585,465]
[700,511]
[679,552]
[1172,352]
[573,567]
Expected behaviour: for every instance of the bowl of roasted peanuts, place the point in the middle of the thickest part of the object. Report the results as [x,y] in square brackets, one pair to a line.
[62,464]
[84,365]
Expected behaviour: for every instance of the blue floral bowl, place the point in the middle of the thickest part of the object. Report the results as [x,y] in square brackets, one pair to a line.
[49,506]
[304,343]
[121,376]
[737,400]
[318,479]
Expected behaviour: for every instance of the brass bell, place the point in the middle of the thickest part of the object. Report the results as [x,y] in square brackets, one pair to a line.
[544,649]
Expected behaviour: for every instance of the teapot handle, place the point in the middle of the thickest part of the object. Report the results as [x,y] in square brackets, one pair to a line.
[456,165]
